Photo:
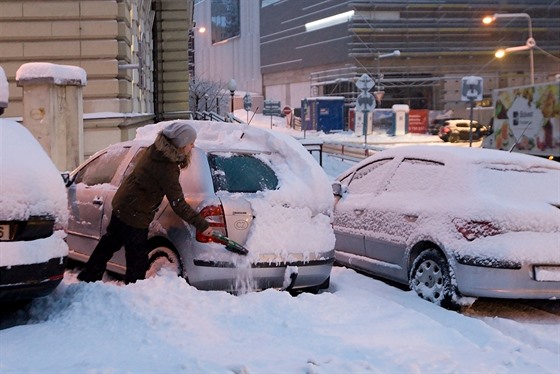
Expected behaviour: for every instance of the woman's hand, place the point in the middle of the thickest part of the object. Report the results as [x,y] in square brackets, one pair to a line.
[207,232]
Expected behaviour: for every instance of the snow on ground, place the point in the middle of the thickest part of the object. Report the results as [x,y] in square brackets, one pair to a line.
[358,325]
[163,325]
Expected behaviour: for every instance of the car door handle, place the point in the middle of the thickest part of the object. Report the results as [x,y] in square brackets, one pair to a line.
[97,201]
[358,212]
[410,217]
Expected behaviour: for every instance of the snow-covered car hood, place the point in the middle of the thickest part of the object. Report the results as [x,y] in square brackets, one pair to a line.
[30,185]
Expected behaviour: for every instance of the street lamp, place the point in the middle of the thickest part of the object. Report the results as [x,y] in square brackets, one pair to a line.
[529,45]
[379,92]
[205,105]
[232,86]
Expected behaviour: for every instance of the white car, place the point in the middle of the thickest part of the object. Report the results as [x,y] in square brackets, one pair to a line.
[453,222]
[33,214]
[258,188]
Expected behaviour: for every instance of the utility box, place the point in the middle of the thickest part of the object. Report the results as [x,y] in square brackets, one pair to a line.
[400,119]
[323,113]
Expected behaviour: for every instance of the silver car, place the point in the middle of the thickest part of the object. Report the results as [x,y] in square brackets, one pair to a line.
[453,223]
[244,181]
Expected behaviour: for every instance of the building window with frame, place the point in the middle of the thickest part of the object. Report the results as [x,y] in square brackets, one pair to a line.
[225,20]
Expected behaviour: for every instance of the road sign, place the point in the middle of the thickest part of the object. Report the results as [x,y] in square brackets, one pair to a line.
[271,108]
[365,83]
[471,88]
[287,110]
[365,102]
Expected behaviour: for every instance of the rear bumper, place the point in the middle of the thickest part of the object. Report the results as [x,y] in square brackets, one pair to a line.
[504,283]
[25,282]
[221,275]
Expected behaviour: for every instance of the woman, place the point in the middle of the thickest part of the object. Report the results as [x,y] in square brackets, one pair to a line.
[137,199]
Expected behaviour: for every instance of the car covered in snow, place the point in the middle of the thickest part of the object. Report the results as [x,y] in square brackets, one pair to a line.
[261,189]
[33,214]
[452,223]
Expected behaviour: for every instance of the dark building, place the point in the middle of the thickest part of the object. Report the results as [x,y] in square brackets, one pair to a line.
[439,43]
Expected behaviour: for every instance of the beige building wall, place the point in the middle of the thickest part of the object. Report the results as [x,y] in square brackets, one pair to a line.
[114,42]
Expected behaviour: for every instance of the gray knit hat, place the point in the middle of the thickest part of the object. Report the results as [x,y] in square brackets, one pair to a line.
[180,134]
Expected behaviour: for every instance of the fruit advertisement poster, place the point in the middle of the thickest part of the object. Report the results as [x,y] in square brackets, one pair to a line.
[528,118]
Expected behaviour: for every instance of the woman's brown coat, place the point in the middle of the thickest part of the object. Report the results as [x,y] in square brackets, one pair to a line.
[156,175]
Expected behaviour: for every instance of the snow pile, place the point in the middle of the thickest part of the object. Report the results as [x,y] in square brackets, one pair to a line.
[163,325]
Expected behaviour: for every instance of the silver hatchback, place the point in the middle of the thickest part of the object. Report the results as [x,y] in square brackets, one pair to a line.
[255,187]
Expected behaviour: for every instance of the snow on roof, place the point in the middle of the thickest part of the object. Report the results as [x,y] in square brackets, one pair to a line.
[296,167]
[60,74]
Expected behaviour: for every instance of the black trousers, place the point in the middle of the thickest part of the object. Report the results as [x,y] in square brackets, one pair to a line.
[136,248]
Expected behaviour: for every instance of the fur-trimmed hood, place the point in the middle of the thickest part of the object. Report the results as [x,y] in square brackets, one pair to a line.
[166,149]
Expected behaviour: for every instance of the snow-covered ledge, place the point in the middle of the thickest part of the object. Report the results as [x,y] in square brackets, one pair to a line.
[53,109]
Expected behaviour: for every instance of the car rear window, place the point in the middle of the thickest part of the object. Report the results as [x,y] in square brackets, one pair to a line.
[241,173]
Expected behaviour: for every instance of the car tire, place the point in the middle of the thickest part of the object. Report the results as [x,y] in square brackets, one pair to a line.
[163,257]
[453,138]
[432,279]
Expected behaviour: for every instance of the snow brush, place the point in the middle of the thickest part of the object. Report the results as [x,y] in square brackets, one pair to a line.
[230,245]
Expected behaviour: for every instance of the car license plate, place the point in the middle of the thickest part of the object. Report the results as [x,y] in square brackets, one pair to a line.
[547,273]
[4,232]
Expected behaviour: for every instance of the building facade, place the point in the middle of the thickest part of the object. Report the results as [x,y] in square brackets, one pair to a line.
[135,54]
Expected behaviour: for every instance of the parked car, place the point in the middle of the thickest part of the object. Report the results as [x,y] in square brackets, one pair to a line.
[435,124]
[260,189]
[452,223]
[458,129]
[33,215]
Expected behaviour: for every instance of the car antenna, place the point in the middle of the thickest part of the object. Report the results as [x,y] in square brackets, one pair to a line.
[255,112]
[520,136]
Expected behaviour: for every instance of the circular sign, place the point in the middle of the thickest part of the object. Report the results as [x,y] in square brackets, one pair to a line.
[287,110]
[365,102]
[247,102]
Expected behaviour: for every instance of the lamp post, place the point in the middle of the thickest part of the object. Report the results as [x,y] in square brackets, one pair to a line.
[232,86]
[529,45]
[379,92]
[205,105]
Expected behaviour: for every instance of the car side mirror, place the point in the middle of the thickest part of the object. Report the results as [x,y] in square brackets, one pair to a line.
[66,178]
[338,189]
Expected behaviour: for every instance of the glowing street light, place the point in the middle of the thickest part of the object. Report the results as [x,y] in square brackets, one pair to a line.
[529,45]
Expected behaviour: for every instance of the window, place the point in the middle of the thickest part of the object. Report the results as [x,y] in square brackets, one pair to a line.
[103,168]
[370,178]
[241,173]
[415,175]
[225,20]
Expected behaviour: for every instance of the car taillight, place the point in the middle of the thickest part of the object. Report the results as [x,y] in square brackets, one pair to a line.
[214,215]
[472,230]
[444,129]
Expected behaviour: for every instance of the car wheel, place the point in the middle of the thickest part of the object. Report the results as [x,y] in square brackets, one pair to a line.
[432,279]
[163,258]
[453,138]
